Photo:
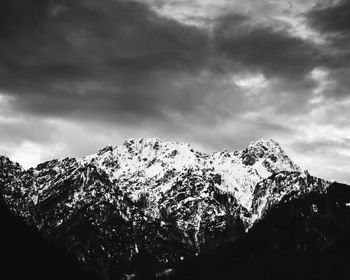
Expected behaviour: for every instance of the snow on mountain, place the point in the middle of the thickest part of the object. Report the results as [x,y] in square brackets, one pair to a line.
[148,160]
[152,198]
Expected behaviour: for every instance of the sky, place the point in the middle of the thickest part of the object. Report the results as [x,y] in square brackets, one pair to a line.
[76,76]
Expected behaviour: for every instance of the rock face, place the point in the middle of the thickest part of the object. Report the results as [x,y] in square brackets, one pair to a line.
[137,209]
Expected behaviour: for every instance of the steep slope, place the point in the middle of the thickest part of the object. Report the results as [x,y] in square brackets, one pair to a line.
[306,237]
[25,254]
[140,208]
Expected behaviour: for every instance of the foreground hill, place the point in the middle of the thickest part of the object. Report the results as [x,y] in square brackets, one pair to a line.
[303,238]
[25,254]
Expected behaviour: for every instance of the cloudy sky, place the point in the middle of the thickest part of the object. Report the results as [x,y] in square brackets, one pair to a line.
[78,75]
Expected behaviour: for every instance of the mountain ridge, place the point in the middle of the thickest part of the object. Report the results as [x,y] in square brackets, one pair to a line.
[160,202]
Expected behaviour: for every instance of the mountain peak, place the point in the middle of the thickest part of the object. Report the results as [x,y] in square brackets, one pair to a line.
[272,155]
[264,146]
[141,140]
[267,142]
[154,143]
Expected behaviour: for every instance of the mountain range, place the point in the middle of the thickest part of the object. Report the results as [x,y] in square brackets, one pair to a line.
[149,209]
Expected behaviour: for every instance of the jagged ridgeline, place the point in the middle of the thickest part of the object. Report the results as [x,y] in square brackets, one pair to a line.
[139,209]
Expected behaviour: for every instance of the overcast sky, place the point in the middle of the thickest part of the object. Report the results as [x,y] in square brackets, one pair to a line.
[78,75]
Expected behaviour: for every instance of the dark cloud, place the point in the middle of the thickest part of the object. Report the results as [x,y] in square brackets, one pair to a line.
[119,60]
[88,57]
[269,49]
[332,19]
[19,16]
[333,22]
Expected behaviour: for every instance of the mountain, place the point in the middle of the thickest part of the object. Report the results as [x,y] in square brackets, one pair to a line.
[140,209]
[304,238]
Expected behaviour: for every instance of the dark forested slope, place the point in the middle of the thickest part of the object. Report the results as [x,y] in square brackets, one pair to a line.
[305,238]
[25,254]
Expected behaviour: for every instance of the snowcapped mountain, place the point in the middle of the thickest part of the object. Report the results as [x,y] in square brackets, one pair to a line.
[141,207]
[149,161]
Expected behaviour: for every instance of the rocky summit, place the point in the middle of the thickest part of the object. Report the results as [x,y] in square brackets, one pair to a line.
[136,210]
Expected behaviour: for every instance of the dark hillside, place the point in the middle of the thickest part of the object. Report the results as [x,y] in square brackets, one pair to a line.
[25,254]
[306,238]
